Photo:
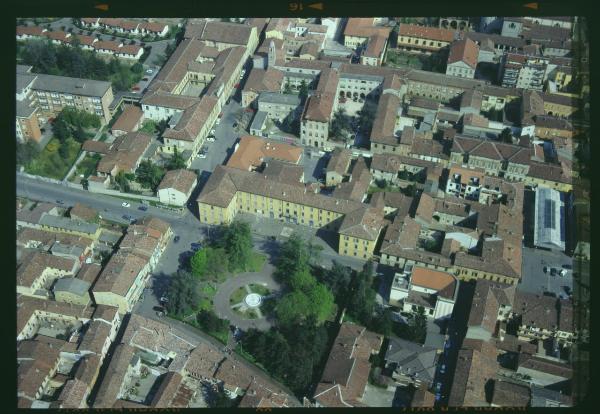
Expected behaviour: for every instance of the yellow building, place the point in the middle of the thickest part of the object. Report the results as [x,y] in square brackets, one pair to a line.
[229,191]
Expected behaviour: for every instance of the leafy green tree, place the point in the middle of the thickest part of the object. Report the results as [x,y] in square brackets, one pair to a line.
[338,280]
[182,293]
[26,152]
[60,129]
[176,162]
[506,136]
[198,263]
[303,91]
[149,175]
[237,241]
[292,308]
[366,116]
[211,322]
[63,150]
[122,182]
[302,280]
[340,125]
[80,135]
[216,262]
[322,302]
[287,89]
[293,257]
[418,326]
[137,67]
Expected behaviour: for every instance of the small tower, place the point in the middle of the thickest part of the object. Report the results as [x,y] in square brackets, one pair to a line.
[272,54]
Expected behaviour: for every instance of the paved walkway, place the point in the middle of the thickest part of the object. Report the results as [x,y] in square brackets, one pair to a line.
[225,290]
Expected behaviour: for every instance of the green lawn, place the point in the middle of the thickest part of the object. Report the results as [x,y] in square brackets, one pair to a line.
[49,163]
[375,189]
[261,290]
[87,166]
[257,261]
[238,295]
[207,292]
[397,58]
[149,126]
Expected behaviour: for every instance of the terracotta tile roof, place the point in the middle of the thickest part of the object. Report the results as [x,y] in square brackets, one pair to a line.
[36,360]
[167,390]
[375,46]
[95,337]
[111,45]
[422,397]
[471,98]
[544,365]
[108,392]
[28,306]
[128,120]
[486,149]
[36,263]
[175,69]
[58,35]
[319,105]
[221,32]
[548,172]
[193,119]
[260,80]
[83,212]
[429,33]
[474,370]
[536,310]
[466,51]
[119,273]
[487,299]
[252,151]
[363,27]
[347,366]
[96,146]
[385,119]
[73,394]
[284,172]
[28,236]
[131,50]
[88,369]
[309,48]
[339,161]
[433,279]
[364,224]
[203,361]
[181,180]
[428,147]
[234,374]
[154,27]
[507,394]
[125,152]
[89,272]
[30,30]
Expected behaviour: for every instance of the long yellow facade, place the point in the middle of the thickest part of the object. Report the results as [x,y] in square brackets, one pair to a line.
[269,207]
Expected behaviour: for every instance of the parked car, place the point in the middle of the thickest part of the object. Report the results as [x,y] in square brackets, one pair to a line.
[228,101]
[218,121]
[210,139]
[438,386]
[249,110]
[164,299]
[567,290]
[235,124]
[60,202]
[236,86]
[562,272]
[545,269]
[125,204]
[212,131]
[202,155]
[145,79]
[552,271]
[567,266]
[149,71]
[443,369]
[143,208]
[361,100]
[127,217]
[135,88]
[176,239]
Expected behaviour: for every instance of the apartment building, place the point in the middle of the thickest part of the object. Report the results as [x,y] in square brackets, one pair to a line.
[229,191]
[523,72]
[375,51]
[359,30]
[462,59]
[318,110]
[279,106]
[53,93]
[423,39]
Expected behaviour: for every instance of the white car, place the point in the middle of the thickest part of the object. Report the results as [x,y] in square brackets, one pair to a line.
[126,204]
[149,71]
[218,121]
[212,131]
[202,155]
[210,139]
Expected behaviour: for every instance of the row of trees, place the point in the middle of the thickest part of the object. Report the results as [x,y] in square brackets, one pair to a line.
[149,175]
[72,123]
[73,61]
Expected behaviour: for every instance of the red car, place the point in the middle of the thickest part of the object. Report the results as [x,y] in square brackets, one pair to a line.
[237,85]
[249,110]
[221,115]
[135,88]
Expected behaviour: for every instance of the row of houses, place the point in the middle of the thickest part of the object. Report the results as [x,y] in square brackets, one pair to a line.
[126,26]
[118,49]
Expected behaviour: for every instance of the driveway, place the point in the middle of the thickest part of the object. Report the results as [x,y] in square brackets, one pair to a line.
[225,290]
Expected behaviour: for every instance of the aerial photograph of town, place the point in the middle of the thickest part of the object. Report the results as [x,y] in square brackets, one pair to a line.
[302,212]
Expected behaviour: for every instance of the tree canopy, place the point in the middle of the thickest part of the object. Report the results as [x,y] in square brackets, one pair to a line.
[51,59]
[182,293]
[149,175]
[176,162]
[209,263]
[236,239]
